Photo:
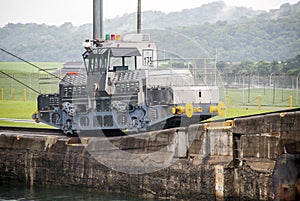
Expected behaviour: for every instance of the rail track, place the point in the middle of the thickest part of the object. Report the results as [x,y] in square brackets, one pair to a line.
[57,132]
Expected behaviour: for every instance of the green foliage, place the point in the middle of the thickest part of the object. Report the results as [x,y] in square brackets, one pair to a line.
[236,33]
[292,66]
[258,38]
[262,68]
[42,43]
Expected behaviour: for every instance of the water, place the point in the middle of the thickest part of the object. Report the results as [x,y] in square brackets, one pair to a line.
[41,193]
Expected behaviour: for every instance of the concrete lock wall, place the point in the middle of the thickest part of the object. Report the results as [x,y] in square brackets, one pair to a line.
[248,158]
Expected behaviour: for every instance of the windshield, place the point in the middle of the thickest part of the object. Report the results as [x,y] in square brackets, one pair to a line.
[128,62]
[97,60]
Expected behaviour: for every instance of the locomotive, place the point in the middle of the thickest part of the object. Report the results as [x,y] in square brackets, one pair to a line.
[124,88]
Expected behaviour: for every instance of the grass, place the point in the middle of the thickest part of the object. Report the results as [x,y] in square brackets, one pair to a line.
[24,68]
[241,111]
[269,97]
[237,112]
[21,124]
[18,110]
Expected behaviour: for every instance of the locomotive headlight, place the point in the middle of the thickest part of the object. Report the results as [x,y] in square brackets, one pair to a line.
[96,87]
[178,110]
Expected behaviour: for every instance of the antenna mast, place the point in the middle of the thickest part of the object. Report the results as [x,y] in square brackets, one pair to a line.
[97,19]
[139,14]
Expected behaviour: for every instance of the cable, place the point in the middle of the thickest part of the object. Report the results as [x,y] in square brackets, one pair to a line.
[31,64]
[20,82]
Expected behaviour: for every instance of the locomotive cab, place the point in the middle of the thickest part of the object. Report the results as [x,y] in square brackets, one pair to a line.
[101,63]
[115,89]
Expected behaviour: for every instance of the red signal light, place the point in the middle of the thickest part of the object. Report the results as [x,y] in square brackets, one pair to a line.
[112,37]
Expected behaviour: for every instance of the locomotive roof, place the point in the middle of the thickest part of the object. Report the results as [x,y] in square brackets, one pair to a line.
[124,51]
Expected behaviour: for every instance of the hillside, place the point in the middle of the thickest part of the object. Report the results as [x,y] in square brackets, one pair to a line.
[208,13]
[235,33]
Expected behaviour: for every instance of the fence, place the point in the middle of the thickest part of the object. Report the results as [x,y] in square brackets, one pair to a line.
[13,90]
[240,90]
[271,90]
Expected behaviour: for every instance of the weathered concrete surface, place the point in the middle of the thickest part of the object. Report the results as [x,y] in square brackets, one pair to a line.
[261,145]
[255,159]
[49,160]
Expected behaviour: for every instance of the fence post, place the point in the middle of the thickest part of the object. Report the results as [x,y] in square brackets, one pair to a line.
[228,101]
[12,93]
[25,97]
[291,102]
[259,102]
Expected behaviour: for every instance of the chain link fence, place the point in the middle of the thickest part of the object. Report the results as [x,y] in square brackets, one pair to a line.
[272,90]
[11,89]
[240,89]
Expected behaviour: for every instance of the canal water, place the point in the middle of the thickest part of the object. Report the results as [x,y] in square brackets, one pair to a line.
[41,193]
